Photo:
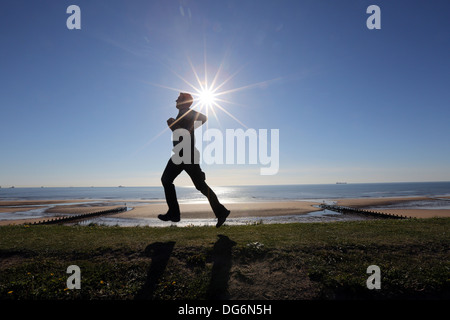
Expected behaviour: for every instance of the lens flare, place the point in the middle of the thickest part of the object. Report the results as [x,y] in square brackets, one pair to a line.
[208,95]
[206,98]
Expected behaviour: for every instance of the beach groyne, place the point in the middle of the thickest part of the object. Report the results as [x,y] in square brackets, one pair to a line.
[364,212]
[78,217]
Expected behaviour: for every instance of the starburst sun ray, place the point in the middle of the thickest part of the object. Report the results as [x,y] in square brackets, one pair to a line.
[208,96]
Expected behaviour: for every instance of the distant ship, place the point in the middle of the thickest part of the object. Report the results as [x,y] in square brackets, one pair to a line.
[121,187]
[341,182]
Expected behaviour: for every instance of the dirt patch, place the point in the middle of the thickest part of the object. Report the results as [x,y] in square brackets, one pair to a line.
[264,280]
[12,259]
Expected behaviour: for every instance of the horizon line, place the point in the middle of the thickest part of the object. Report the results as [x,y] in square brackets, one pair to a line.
[237,185]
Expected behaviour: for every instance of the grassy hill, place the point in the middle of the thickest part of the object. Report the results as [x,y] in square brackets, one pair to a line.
[304,261]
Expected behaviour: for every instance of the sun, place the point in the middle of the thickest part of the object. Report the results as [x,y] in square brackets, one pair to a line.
[206,98]
[208,95]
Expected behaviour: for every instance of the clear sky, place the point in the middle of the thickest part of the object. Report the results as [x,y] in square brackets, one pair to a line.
[89,107]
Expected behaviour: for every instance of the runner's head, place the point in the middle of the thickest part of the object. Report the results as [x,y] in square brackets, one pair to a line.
[184,100]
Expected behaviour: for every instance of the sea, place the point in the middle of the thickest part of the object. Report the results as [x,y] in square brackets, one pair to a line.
[236,193]
[326,193]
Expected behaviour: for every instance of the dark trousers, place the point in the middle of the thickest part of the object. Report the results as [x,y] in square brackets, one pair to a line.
[198,177]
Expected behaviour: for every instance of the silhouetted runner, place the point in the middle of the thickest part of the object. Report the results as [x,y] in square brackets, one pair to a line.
[185,120]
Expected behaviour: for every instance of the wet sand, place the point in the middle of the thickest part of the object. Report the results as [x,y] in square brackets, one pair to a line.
[413,213]
[55,208]
[151,209]
[144,209]
[369,202]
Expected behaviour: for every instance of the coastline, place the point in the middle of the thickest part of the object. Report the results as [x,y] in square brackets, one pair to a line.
[144,209]
[381,205]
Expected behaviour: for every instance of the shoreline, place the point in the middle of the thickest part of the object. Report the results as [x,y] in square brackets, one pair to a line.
[143,209]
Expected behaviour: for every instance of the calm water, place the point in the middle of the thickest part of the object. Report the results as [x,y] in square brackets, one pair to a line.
[237,193]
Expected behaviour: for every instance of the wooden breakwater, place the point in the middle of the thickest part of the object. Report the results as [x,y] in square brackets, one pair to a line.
[364,212]
[78,217]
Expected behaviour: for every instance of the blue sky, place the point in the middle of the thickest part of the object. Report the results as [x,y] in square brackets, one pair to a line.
[86,107]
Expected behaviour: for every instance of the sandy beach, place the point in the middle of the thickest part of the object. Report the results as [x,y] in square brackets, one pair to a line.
[144,209]
[239,210]
[150,209]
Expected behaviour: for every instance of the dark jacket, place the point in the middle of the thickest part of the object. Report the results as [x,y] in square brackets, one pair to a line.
[186,119]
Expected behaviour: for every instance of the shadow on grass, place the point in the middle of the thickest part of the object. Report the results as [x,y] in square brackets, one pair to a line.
[220,273]
[160,253]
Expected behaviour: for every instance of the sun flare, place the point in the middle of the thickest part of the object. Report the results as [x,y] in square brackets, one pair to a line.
[206,98]
[208,95]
